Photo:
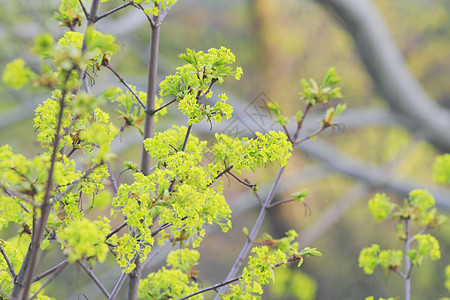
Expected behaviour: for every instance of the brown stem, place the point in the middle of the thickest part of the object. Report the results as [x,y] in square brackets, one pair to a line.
[315,133]
[252,186]
[300,123]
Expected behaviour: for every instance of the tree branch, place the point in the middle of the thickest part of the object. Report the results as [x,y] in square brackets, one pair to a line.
[10,267]
[373,176]
[61,265]
[252,236]
[106,64]
[86,14]
[94,278]
[227,282]
[116,230]
[113,11]
[151,96]
[385,64]
[164,106]
[46,205]
[48,281]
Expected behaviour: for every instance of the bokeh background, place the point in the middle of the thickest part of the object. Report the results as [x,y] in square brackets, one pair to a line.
[377,147]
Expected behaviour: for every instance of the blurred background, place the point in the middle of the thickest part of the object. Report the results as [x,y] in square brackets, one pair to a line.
[393,58]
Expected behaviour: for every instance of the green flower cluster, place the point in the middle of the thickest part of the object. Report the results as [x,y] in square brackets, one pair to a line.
[193,81]
[419,207]
[173,282]
[246,154]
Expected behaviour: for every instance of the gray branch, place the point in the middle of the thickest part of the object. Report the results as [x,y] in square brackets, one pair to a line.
[385,64]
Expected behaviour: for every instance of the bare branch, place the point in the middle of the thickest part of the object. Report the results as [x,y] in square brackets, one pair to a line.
[46,205]
[86,14]
[212,287]
[311,135]
[113,11]
[10,267]
[50,271]
[247,246]
[94,278]
[415,110]
[300,123]
[164,106]
[106,64]
[119,228]
[15,194]
[53,276]
[281,202]
[154,254]
[373,176]
[227,282]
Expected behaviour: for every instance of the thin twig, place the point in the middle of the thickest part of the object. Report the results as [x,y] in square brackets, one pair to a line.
[300,123]
[252,186]
[151,21]
[86,14]
[59,196]
[313,134]
[50,271]
[186,138]
[113,11]
[106,64]
[399,273]
[154,254]
[280,202]
[48,281]
[288,135]
[227,169]
[227,282]
[11,269]
[46,205]
[212,287]
[94,278]
[163,14]
[121,280]
[116,230]
[164,106]
[246,248]
[15,194]
[208,90]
